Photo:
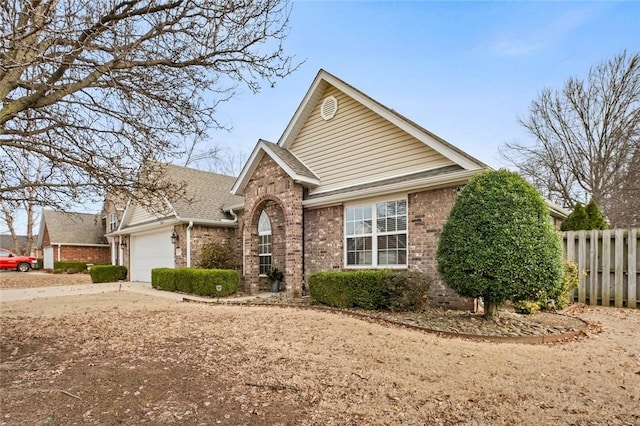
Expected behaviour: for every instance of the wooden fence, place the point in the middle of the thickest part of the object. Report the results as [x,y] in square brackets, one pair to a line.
[609,264]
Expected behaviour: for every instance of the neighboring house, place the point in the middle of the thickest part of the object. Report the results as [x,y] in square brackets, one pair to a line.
[72,237]
[6,242]
[350,184]
[145,238]
[112,212]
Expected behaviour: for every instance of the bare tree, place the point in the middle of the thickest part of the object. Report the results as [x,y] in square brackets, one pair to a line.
[587,134]
[101,92]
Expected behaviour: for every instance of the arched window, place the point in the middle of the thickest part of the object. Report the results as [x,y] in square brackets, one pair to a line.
[264,243]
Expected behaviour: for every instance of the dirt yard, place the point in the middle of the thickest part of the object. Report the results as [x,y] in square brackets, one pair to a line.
[13,279]
[124,358]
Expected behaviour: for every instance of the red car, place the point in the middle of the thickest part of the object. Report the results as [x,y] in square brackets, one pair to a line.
[10,260]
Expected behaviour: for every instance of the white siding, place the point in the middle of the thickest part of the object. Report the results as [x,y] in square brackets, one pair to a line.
[140,215]
[358,146]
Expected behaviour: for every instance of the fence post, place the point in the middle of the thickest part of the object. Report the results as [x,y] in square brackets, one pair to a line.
[619,265]
[606,267]
[593,267]
[582,264]
[631,268]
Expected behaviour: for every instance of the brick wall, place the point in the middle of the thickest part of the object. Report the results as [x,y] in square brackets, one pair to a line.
[428,212]
[200,236]
[82,254]
[271,188]
[323,239]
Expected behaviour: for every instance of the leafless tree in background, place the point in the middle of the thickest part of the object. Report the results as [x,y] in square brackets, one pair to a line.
[100,92]
[587,140]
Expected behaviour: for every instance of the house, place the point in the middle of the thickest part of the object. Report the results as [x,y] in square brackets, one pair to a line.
[72,237]
[174,237]
[350,184]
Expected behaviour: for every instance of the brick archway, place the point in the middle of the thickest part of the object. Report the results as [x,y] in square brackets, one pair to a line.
[286,228]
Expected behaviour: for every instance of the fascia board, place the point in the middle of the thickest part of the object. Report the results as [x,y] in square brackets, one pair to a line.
[429,183]
[260,149]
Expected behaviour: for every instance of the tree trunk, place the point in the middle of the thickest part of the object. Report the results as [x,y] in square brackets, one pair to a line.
[490,310]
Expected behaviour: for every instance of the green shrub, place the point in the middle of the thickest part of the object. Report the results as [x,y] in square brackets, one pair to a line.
[40,263]
[405,291]
[359,289]
[65,266]
[527,307]
[216,255]
[202,282]
[163,279]
[371,290]
[108,273]
[570,281]
[584,218]
[499,242]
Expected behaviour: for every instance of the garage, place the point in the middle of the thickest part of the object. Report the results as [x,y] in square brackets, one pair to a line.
[148,251]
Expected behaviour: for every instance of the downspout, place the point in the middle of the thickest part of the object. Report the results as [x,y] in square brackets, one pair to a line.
[189,243]
[304,285]
[235,220]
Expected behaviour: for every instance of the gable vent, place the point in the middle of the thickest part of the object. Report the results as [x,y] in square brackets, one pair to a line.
[329,108]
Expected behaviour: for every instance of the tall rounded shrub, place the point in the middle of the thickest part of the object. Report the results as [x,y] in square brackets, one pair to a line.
[499,242]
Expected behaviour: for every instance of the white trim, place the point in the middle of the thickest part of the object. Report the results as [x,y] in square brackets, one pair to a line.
[256,156]
[424,184]
[77,245]
[371,203]
[319,85]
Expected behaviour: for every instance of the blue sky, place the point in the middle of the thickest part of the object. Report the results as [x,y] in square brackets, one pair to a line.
[463,70]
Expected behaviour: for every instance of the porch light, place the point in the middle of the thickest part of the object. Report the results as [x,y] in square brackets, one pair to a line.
[174,238]
[123,242]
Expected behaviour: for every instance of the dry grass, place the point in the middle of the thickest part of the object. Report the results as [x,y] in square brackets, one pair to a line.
[125,358]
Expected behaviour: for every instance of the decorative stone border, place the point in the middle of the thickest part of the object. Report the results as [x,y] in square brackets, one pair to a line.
[531,340]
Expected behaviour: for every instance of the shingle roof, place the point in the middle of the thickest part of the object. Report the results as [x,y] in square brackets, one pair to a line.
[207,194]
[291,160]
[74,228]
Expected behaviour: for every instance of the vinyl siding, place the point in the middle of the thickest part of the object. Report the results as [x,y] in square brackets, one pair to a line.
[140,215]
[359,146]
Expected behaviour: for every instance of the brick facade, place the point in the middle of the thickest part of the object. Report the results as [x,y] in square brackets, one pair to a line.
[200,236]
[323,240]
[270,188]
[428,212]
[77,253]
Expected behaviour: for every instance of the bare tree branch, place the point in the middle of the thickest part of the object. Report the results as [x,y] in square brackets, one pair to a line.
[101,92]
[587,137]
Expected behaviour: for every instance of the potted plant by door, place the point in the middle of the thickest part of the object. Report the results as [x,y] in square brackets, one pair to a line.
[275,276]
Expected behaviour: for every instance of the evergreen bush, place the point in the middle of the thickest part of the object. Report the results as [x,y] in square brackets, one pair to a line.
[108,273]
[499,242]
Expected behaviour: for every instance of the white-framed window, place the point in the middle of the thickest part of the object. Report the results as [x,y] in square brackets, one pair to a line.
[264,243]
[376,234]
[113,221]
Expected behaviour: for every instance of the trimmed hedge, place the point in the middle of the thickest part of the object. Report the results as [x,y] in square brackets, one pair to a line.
[163,279]
[202,282]
[108,273]
[371,290]
[65,266]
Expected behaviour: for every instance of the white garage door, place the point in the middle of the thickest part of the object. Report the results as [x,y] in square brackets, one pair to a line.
[150,251]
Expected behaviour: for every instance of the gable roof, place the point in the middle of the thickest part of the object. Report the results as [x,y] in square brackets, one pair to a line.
[324,79]
[68,228]
[284,158]
[207,197]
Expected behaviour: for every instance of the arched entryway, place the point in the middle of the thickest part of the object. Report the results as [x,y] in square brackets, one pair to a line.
[273,240]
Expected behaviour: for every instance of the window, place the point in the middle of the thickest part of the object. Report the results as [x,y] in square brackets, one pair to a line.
[264,243]
[376,234]
[113,222]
